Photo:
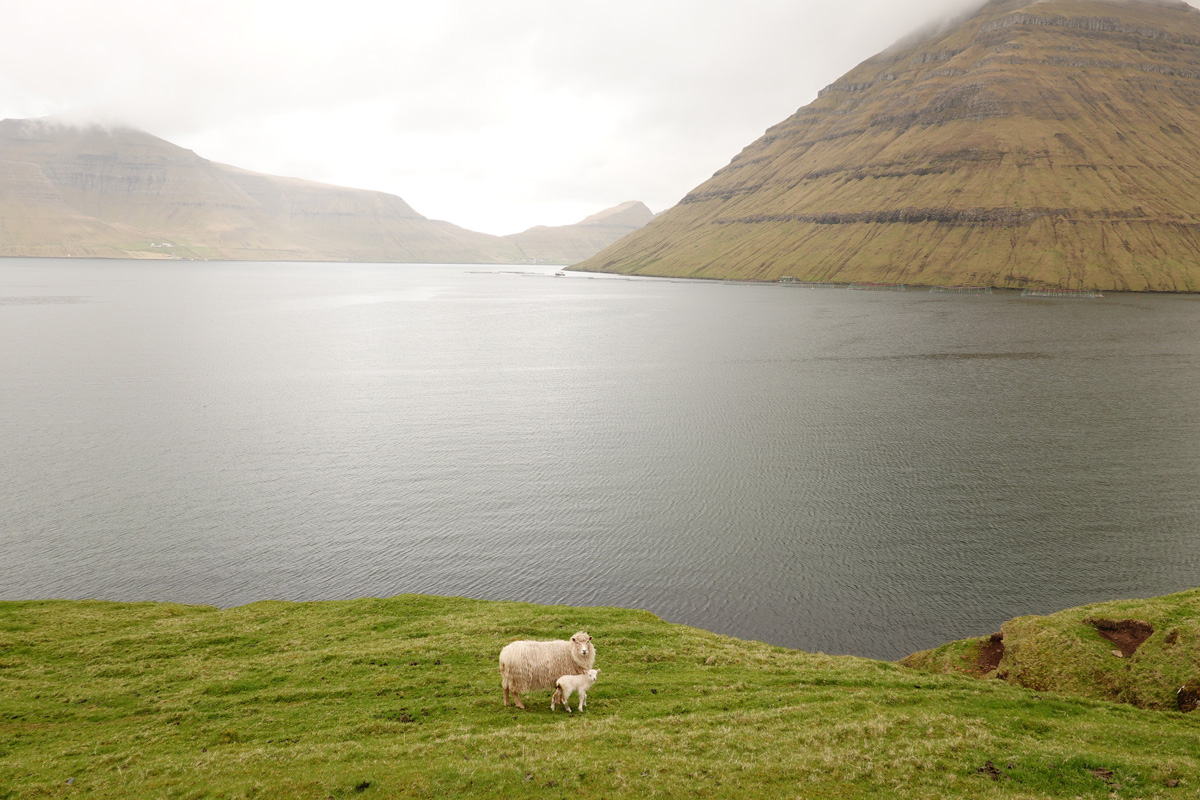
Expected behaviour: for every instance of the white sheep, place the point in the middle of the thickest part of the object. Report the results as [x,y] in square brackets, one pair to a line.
[527,666]
[567,684]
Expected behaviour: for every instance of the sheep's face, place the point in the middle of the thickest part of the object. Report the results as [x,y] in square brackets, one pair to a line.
[582,643]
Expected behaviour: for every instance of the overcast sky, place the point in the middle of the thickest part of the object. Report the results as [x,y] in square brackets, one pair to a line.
[496,115]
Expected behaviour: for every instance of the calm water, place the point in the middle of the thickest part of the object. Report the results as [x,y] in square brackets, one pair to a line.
[851,472]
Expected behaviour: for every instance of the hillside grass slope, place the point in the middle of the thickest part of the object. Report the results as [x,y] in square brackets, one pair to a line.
[92,191]
[401,698]
[567,244]
[1144,652]
[1043,144]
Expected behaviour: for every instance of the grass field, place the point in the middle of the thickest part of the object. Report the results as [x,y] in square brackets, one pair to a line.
[401,698]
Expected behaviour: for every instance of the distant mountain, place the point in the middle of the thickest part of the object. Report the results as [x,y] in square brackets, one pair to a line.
[123,193]
[1044,144]
[570,243]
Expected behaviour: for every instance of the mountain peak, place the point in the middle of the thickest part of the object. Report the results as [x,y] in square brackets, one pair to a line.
[631,212]
[572,243]
[1028,144]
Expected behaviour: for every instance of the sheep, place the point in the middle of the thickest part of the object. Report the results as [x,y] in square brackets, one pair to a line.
[573,683]
[526,666]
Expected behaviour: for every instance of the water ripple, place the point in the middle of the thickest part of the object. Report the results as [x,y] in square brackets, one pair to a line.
[821,470]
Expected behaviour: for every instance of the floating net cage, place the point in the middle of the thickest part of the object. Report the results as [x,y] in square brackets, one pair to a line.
[1084,294]
[878,287]
[790,281]
[971,290]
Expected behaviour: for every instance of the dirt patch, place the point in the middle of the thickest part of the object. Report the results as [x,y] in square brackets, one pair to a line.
[1188,697]
[1107,776]
[992,771]
[990,653]
[1126,634]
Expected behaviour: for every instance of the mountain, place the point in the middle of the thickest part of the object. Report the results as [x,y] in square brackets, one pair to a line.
[570,243]
[123,193]
[1047,144]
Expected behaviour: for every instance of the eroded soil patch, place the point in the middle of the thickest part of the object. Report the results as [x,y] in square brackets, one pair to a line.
[1188,697]
[1126,634]
[990,653]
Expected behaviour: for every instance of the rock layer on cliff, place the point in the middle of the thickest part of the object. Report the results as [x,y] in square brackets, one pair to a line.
[1045,144]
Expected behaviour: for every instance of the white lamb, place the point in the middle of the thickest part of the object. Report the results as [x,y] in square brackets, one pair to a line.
[573,683]
[526,666]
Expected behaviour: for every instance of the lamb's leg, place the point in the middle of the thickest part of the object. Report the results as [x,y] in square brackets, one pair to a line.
[554,698]
[582,699]
[566,697]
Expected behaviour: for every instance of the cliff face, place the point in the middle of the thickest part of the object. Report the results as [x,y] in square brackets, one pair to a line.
[122,193]
[1044,144]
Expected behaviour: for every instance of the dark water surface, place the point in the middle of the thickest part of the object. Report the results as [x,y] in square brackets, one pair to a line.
[852,472]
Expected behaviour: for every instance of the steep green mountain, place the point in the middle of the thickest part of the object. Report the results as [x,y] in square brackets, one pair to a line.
[1048,144]
[122,193]
[570,243]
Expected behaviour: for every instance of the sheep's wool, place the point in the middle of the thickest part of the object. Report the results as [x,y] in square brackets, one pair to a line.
[527,665]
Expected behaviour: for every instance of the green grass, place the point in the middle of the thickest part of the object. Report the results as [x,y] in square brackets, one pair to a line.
[1065,652]
[401,698]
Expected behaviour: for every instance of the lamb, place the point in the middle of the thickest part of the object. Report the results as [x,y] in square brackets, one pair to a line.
[573,683]
[527,666]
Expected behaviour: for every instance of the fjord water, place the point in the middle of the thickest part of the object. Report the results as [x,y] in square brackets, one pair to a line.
[834,470]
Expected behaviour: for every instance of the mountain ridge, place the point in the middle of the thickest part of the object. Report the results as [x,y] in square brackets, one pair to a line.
[119,192]
[584,238]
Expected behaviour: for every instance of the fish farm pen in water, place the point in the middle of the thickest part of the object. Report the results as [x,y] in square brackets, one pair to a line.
[972,290]
[790,281]
[1086,294]
[975,291]
[878,287]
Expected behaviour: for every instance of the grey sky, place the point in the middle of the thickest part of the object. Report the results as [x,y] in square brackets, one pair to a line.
[495,116]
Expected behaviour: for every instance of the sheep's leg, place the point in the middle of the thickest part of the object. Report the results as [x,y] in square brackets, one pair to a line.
[554,698]
[517,700]
[506,694]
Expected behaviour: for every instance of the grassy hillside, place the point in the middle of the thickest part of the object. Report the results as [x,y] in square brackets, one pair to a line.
[1133,651]
[89,191]
[401,698]
[120,192]
[567,244]
[1046,144]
